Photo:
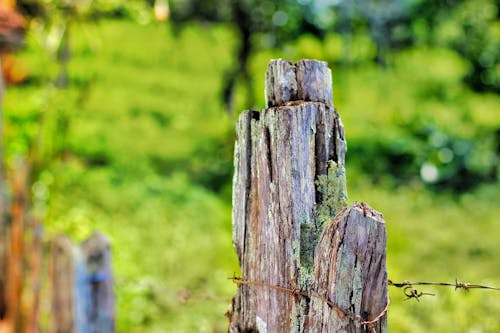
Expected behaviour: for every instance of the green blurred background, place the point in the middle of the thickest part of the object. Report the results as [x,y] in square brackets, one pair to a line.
[128,119]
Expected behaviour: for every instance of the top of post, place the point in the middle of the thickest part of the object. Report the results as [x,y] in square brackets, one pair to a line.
[96,252]
[305,80]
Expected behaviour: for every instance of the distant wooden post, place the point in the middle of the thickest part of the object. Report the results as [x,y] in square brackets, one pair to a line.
[95,294]
[62,276]
[302,270]
[82,286]
[33,298]
[15,277]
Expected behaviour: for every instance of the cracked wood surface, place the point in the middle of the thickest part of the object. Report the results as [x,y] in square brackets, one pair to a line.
[288,185]
[350,270]
[306,80]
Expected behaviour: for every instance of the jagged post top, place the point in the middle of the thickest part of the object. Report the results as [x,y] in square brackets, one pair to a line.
[305,80]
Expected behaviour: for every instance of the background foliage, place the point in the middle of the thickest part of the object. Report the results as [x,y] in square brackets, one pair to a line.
[138,141]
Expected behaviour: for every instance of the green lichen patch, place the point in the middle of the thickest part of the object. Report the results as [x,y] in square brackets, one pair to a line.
[308,239]
[333,192]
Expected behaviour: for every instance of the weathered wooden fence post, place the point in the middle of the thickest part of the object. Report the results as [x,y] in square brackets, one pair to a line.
[82,286]
[302,270]
[62,277]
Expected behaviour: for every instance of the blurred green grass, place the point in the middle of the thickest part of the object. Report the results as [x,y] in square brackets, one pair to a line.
[143,137]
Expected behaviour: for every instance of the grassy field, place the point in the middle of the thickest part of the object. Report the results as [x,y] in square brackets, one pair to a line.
[143,144]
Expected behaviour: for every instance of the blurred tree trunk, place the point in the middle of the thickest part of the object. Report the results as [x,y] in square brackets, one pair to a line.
[63,57]
[243,21]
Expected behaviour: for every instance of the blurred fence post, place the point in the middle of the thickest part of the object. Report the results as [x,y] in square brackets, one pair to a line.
[82,286]
[302,270]
[94,286]
[62,277]
[15,276]
[34,276]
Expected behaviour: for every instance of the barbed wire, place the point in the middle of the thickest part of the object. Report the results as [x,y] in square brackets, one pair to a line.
[369,324]
[408,289]
[410,292]
[457,284]
[185,295]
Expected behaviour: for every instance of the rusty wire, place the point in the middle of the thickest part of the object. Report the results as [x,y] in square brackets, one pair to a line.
[369,324]
[410,292]
[408,289]
[457,284]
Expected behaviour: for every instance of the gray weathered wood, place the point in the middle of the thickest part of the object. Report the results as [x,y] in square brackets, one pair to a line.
[306,80]
[281,83]
[289,182]
[350,270]
[314,81]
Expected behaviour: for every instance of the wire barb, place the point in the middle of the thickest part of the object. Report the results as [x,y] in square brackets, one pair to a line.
[410,293]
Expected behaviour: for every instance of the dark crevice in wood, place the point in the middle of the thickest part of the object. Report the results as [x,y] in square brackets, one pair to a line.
[255,115]
[267,142]
[271,79]
[319,147]
[352,301]
[296,96]
[248,185]
[333,152]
